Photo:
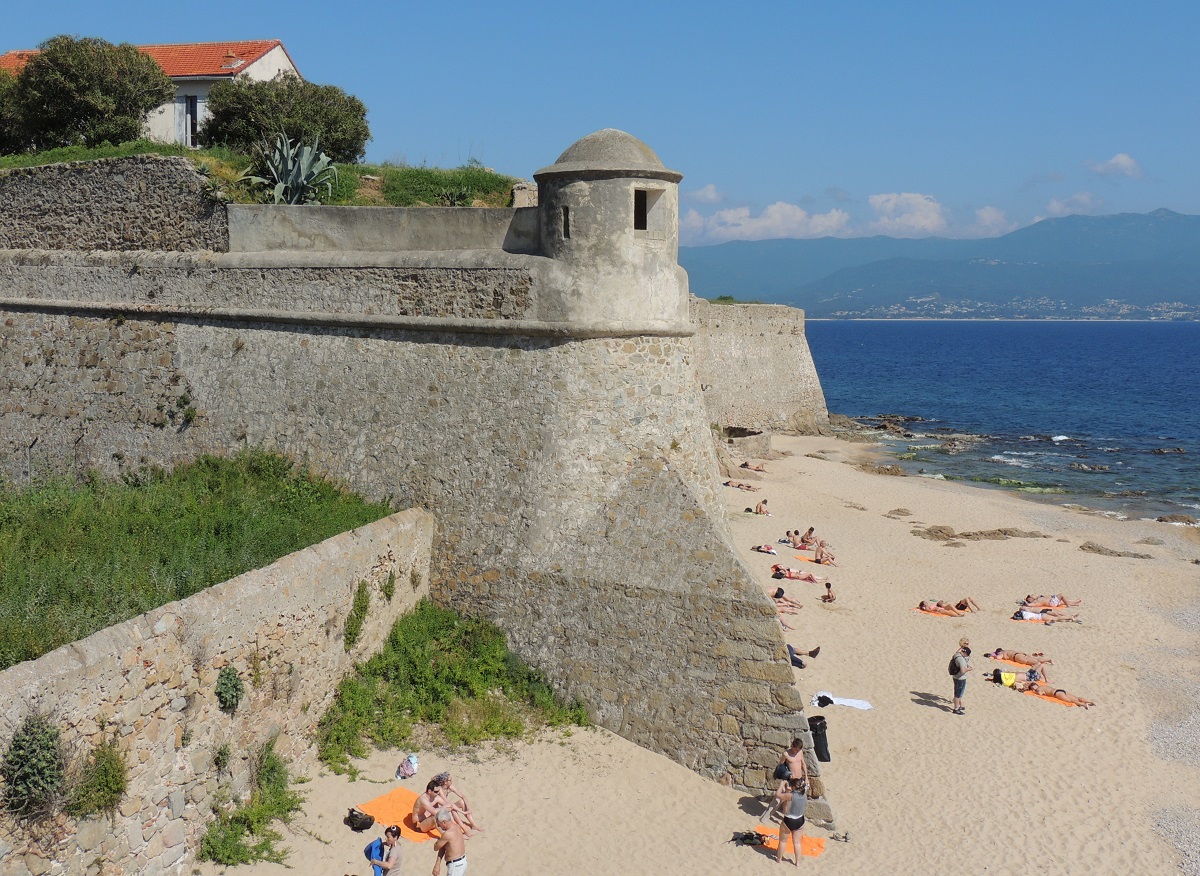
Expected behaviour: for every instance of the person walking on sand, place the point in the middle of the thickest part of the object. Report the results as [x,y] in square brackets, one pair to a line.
[451,845]
[960,665]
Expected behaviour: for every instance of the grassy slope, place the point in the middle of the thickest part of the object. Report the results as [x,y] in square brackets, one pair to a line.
[77,558]
[394,185]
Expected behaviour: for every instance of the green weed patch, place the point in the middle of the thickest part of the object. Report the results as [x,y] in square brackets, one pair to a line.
[443,669]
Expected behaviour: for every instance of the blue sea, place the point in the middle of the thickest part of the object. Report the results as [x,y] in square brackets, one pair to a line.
[1070,412]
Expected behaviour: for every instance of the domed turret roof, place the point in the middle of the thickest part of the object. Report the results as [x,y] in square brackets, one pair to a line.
[609,153]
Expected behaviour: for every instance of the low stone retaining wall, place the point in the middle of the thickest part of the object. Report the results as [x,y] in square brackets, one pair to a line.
[152,681]
[141,202]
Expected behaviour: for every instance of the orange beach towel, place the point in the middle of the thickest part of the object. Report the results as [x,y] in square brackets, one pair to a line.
[810,846]
[932,613]
[1034,693]
[395,807]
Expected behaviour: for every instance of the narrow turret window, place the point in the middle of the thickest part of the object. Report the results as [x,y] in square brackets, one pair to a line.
[649,214]
[566,222]
[639,209]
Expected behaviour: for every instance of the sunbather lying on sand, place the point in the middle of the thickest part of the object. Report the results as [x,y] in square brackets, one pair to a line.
[784,601]
[759,467]
[823,555]
[1050,691]
[1047,615]
[741,486]
[967,604]
[937,607]
[1054,600]
[1019,657]
[778,571]
[765,549]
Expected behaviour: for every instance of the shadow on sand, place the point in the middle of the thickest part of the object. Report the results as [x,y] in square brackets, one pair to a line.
[933,701]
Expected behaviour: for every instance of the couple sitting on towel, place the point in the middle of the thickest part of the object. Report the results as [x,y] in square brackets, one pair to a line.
[436,799]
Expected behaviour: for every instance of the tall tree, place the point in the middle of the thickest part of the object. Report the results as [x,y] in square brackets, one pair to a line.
[87,90]
[12,137]
[244,114]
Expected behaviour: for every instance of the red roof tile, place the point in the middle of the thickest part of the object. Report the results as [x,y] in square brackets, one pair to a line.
[182,59]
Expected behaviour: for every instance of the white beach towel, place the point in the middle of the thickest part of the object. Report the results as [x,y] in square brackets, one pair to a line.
[841,701]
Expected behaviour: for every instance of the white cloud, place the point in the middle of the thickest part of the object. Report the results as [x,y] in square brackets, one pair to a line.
[906,214]
[1121,164]
[707,195]
[778,220]
[989,222]
[1080,202]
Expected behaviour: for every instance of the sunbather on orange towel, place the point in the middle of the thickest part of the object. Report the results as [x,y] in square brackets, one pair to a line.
[1020,657]
[1046,690]
[1047,615]
[1054,600]
[823,555]
[933,607]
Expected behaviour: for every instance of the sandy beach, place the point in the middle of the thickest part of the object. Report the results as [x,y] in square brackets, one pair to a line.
[1015,785]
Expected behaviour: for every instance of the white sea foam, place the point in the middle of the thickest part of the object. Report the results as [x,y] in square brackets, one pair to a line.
[1013,462]
[1058,438]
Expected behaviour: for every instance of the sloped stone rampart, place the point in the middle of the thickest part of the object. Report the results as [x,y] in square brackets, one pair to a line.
[755,368]
[152,679]
[137,203]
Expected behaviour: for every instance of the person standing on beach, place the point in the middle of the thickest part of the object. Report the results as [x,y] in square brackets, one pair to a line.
[451,846]
[960,665]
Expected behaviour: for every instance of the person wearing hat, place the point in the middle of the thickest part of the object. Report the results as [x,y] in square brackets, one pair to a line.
[960,665]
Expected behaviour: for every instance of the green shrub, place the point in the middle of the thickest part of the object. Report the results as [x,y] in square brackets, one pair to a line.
[388,587]
[246,835]
[11,137]
[75,558]
[230,688]
[358,614]
[243,113]
[443,669]
[221,757]
[103,781]
[34,769]
[87,91]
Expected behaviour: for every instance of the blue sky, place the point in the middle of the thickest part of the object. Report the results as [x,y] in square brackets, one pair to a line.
[787,119]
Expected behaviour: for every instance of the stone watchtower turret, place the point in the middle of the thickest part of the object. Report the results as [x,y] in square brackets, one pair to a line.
[609,214]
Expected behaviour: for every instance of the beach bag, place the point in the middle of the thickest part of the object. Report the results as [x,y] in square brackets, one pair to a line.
[408,767]
[359,821]
[783,772]
[749,838]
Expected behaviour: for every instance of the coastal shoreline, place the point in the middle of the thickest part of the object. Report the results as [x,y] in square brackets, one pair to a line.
[1015,785]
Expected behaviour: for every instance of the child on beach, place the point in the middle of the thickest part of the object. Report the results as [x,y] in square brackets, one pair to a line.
[829,595]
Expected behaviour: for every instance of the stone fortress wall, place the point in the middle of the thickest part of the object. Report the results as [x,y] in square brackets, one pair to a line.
[529,376]
[755,368]
[152,681]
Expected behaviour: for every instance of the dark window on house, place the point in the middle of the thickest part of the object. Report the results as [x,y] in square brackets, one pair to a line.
[192,126]
[639,210]
[566,222]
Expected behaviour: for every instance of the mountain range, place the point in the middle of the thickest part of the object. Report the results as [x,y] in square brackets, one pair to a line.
[1124,266]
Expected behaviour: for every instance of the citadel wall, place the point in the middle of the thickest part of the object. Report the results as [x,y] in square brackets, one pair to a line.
[755,368]
[151,680]
[546,411]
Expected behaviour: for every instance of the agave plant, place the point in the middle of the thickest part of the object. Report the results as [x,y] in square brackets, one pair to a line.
[296,171]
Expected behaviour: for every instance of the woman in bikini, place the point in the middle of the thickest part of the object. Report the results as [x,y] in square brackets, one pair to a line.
[1053,692]
[929,605]
[778,571]
[1020,657]
[808,541]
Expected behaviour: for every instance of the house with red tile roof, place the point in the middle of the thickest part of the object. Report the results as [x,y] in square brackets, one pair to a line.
[195,68]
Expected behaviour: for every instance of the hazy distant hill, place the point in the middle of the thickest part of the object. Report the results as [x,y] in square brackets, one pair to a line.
[1127,265]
